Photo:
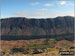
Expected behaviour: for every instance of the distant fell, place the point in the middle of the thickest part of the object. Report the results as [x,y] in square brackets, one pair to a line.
[21,26]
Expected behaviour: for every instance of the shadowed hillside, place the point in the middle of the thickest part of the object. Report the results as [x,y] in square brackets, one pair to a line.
[23,28]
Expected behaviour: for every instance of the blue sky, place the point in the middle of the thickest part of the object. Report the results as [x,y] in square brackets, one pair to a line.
[36,9]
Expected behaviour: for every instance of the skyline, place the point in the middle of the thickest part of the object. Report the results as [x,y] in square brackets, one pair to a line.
[36,9]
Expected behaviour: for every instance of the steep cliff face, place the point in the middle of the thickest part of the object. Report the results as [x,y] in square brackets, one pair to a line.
[19,26]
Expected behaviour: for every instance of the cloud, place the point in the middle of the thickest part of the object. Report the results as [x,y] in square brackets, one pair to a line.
[21,13]
[63,2]
[36,3]
[28,14]
[72,4]
[44,9]
[40,13]
[48,5]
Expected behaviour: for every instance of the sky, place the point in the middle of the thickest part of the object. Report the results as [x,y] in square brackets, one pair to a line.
[36,9]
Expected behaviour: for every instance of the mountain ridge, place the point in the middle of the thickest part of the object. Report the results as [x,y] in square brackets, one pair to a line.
[20,26]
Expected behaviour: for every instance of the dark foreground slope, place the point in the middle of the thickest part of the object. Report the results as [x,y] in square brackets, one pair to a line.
[18,28]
